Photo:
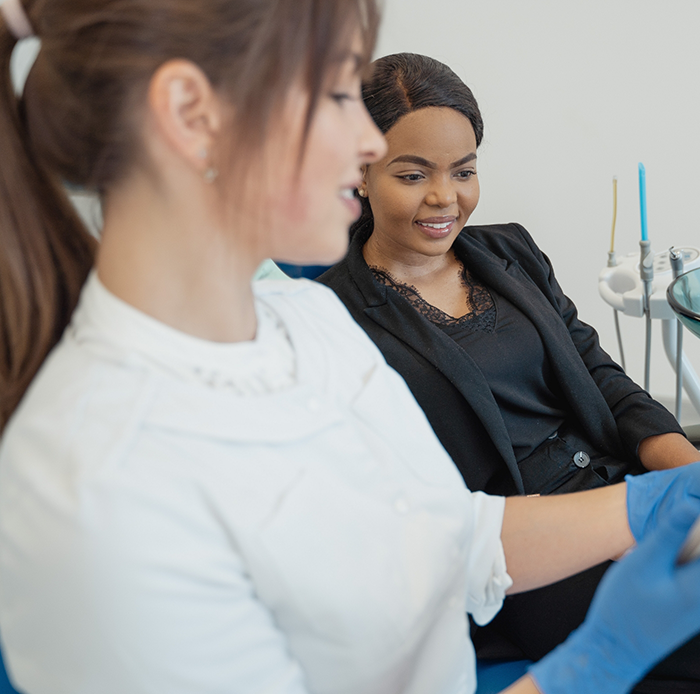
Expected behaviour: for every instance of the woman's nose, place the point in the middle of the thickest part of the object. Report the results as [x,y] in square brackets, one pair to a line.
[372,142]
[441,194]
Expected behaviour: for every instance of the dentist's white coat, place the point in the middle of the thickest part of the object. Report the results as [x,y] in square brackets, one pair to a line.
[160,532]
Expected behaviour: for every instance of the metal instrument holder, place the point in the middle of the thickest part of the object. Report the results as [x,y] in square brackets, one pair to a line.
[622,287]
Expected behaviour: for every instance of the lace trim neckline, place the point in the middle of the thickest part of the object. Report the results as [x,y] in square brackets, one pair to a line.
[482,313]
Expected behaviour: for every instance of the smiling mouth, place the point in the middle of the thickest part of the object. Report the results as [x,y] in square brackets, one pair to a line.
[347,193]
[443,225]
[437,229]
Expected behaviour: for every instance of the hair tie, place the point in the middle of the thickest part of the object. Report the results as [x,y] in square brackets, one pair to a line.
[16,19]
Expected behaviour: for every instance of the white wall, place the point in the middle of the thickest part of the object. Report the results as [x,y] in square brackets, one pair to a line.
[572,94]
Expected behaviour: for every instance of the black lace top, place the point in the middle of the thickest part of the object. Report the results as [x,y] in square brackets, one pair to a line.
[509,352]
[482,315]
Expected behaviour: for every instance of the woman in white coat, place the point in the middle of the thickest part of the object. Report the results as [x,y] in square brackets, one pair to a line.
[213,487]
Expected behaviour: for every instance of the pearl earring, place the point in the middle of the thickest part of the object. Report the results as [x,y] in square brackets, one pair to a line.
[362,192]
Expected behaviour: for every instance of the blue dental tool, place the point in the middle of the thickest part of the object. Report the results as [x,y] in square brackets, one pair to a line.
[646,269]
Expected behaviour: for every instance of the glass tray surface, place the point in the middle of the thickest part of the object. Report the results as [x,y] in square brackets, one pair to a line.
[683,296]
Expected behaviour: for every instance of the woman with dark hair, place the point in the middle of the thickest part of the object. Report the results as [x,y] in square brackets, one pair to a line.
[515,386]
[207,488]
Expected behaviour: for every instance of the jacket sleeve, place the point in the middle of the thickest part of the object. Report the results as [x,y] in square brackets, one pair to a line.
[636,413]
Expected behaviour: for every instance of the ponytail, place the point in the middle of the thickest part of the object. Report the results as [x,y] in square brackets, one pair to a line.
[45,250]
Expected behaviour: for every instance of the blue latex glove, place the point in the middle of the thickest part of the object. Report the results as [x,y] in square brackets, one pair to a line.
[652,495]
[645,607]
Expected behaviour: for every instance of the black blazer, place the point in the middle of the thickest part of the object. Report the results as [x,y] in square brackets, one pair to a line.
[613,412]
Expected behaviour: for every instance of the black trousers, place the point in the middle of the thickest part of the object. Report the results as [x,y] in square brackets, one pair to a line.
[531,624]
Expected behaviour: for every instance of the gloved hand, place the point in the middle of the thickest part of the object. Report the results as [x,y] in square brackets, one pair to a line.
[644,608]
[652,495]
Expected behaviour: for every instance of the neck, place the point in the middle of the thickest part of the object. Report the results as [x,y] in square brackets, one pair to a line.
[405,264]
[178,263]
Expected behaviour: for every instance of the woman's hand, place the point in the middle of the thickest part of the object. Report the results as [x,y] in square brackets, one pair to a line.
[652,496]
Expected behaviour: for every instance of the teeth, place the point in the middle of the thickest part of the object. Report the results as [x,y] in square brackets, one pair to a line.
[436,226]
[347,193]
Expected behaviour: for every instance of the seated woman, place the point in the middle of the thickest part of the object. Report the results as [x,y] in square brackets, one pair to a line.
[515,386]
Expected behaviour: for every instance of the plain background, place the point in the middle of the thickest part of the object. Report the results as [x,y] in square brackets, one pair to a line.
[572,94]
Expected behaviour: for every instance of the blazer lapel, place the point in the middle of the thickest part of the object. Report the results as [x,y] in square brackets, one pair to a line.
[513,283]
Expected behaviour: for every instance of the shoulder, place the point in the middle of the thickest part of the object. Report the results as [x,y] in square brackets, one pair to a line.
[77,401]
[505,240]
[303,298]
[337,276]
[316,314]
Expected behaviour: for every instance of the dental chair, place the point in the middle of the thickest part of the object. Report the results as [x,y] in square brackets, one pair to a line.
[5,686]
[493,676]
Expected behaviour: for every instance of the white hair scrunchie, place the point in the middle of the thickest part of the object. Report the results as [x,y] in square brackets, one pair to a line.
[16,19]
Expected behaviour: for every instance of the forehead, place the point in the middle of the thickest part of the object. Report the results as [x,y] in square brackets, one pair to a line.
[432,133]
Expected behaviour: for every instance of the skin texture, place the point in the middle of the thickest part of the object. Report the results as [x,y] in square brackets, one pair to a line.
[403,191]
[523,686]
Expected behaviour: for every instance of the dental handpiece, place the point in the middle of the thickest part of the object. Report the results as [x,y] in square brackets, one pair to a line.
[676,257]
[646,270]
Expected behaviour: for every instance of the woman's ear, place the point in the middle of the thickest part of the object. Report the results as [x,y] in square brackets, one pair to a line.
[364,168]
[187,112]
[362,190]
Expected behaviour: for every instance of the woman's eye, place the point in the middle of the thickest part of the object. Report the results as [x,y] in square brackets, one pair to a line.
[342,97]
[466,174]
[411,177]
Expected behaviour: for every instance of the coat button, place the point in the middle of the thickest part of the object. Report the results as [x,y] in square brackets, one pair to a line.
[581,459]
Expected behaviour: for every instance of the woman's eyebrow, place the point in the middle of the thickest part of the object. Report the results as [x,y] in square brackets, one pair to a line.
[470,157]
[414,159]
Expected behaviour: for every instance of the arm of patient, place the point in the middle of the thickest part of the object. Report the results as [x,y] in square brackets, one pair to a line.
[666,451]
[548,538]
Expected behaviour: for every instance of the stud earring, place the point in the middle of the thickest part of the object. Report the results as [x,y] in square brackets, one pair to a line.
[362,192]
[210,173]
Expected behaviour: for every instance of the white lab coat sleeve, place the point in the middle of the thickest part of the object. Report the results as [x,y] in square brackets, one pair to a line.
[488,579]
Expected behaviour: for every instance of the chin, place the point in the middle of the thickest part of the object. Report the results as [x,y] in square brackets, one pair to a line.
[323,253]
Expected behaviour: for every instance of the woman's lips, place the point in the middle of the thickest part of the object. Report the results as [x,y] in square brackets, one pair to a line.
[347,195]
[437,227]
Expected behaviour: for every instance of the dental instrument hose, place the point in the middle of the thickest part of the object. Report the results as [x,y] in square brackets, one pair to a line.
[612,262]
[646,272]
[677,267]
[646,269]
